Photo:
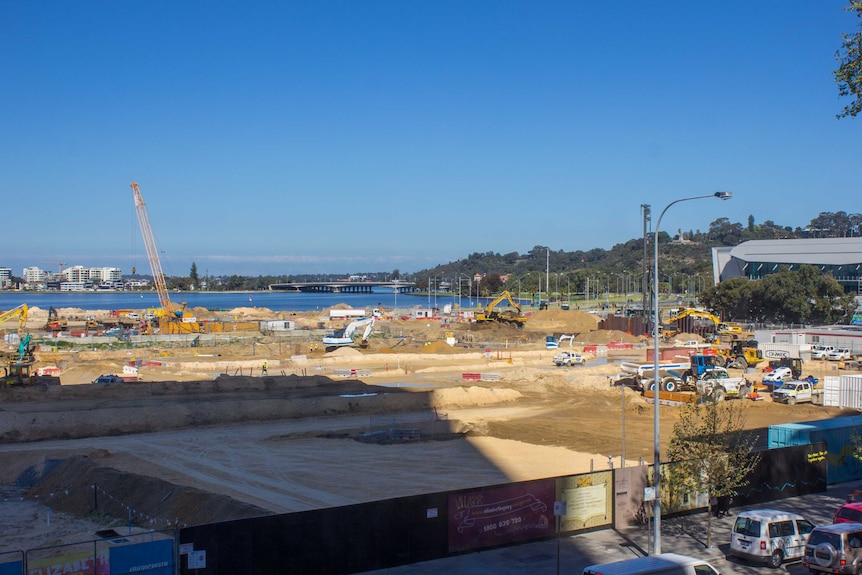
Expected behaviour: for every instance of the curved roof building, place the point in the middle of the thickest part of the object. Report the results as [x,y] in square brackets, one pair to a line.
[757,258]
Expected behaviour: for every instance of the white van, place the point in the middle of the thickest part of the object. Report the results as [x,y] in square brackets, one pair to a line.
[663,564]
[769,536]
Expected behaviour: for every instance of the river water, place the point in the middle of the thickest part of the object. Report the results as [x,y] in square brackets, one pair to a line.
[276,301]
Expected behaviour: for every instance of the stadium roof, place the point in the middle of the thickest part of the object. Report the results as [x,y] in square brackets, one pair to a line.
[823,251]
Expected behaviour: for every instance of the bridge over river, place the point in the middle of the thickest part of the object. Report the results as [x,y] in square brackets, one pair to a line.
[345,286]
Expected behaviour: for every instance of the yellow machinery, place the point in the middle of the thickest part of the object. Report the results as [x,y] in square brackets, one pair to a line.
[55,323]
[728,328]
[171,317]
[21,313]
[672,324]
[742,353]
[508,317]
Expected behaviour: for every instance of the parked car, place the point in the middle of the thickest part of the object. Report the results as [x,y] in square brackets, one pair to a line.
[108,379]
[769,536]
[835,549]
[793,392]
[820,351]
[849,513]
[838,354]
[777,376]
[661,564]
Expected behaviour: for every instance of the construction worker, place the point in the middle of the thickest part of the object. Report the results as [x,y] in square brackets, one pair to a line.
[264,367]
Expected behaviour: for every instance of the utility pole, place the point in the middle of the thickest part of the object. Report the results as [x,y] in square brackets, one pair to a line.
[645,305]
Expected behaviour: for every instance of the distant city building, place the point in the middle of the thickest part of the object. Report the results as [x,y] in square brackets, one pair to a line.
[5,278]
[755,259]
[34,275]
[75,278]
[75,286]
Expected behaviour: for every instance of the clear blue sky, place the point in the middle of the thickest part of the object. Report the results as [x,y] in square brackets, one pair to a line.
[336,137]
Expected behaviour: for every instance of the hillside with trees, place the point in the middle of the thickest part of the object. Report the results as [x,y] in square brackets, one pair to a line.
[685,268]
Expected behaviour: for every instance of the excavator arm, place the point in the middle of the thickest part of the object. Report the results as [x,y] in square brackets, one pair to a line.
[693,313]
[21,313]
[505,296]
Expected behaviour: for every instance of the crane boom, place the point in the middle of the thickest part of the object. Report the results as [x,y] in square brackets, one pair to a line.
[152,252]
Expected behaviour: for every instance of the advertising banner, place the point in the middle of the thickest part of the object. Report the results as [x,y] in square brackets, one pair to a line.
[82,563]
[501,515]
[12,568]
[150,558]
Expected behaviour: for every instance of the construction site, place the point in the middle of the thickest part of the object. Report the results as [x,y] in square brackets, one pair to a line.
[173,417]
[200,434]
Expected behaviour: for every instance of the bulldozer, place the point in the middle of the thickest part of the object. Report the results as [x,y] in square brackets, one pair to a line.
[512,318]
[742,353]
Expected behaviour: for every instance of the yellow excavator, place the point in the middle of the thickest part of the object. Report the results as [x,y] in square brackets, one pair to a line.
[671,326]
[21,313]
[511,318]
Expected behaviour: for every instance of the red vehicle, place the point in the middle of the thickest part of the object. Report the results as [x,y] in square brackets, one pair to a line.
[849,513]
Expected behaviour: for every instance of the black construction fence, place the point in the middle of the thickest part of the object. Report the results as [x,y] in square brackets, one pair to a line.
[401,531]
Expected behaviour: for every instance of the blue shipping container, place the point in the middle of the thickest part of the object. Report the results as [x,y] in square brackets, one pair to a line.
[838,436]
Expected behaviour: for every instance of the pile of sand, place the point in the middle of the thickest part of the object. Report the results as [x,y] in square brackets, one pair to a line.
[345,351]
[439,346]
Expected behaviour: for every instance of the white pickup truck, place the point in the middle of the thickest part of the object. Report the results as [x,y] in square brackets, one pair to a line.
[839,354]
[821,351]
[792,392]
[717,383]
[569,359]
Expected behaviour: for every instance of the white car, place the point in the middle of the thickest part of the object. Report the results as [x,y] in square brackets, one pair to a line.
[821,351]
[793,392]
[777,376]
[838,354]
[568,359]
[769,536]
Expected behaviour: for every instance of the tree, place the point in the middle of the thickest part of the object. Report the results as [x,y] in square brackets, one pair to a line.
[710,452]
[193,275]
[848,76]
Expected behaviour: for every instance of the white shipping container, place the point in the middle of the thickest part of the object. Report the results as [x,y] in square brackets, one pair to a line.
[850,391]
[831,387]
[277,325]
[779,350]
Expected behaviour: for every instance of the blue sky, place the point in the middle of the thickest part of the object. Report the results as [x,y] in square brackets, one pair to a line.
[335,137]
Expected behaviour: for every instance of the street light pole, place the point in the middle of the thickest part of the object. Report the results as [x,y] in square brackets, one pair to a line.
[656,381]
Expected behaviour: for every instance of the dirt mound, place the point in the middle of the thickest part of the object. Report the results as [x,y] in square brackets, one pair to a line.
[565,321]
[68,486]
[251,312]
[439,346]
[345,351]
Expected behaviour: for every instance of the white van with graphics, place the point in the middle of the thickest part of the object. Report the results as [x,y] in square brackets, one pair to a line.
[769,536]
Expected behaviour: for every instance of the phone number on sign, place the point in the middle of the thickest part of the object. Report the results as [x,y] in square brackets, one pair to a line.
[502,523]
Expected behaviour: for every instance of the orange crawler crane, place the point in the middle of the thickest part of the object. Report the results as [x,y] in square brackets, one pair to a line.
[172,318]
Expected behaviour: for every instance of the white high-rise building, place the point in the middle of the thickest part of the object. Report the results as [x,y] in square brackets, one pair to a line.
[5,278]
[34,275]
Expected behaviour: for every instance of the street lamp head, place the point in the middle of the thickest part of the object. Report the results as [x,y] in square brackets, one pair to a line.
[723,195]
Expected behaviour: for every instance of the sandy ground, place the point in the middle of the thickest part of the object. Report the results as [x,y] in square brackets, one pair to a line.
[190,444]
